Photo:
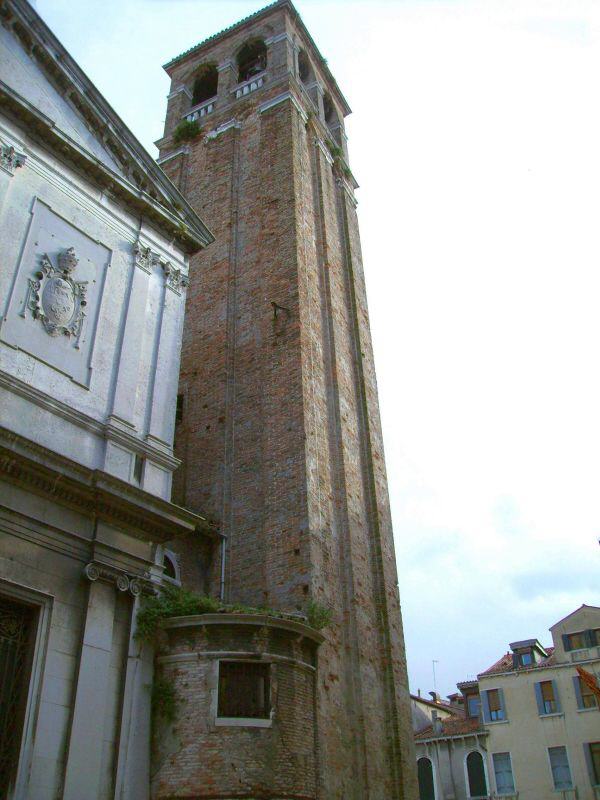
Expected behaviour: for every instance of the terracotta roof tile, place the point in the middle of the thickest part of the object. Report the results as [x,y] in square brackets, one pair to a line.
[453,726]
[505,664]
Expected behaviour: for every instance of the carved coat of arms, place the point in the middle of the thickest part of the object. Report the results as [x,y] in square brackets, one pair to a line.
[56,299]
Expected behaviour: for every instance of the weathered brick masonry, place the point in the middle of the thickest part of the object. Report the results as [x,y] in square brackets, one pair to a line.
[280,436]
[204,760]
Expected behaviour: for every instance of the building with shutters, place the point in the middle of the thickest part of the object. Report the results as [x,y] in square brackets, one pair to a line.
[534,724]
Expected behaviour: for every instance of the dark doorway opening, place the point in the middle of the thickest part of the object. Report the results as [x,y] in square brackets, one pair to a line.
[17,633]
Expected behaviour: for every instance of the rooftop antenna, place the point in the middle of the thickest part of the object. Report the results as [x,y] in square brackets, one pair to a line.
[434,661]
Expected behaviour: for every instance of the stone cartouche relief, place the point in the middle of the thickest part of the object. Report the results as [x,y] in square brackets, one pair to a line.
[56,299]
[146,258]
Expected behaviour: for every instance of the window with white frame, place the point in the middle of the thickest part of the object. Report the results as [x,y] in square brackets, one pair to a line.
[494,707]
[473,705]
[559,764]
[171,567]
[244,690]
[546,695]
[592,757]
[505,783]
[584,694]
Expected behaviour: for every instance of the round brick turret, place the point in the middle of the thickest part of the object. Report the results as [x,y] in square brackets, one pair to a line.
[244,727]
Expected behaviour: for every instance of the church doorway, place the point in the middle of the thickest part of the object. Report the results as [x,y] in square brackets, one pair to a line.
[17,634]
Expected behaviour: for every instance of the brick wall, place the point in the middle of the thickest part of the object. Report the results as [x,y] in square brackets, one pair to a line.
[196,758]
[281,439]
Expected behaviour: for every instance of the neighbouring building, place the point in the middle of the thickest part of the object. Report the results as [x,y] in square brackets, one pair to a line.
[280,439]
[425,712]
[534,724]
[94,248]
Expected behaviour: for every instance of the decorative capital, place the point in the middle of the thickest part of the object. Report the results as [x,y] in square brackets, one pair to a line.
[10,159]
[174,277]
[123,582]
[146,258]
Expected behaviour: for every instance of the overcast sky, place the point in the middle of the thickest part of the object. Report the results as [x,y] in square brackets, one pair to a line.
[476,140]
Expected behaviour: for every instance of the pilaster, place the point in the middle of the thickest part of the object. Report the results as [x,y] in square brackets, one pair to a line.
[84,759]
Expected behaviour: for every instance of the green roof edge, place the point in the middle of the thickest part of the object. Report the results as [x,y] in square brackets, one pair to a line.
[282,3]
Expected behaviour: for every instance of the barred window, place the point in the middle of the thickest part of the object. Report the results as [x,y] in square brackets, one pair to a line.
[244,690]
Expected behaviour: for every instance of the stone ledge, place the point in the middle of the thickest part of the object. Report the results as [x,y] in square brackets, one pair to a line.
[257,620]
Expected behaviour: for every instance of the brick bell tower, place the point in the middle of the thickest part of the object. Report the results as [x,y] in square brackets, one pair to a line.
[279,429]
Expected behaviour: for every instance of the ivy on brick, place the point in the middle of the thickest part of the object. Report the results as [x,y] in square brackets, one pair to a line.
[175,601]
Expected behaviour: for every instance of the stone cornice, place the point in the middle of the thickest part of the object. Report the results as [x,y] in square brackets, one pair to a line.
[44,129]
[180,152]
[146,188]
[107,430]
[94,492]
[298,629]
[281,98]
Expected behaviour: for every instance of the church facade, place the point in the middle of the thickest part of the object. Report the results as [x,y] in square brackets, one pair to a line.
[94,249]
[254,475]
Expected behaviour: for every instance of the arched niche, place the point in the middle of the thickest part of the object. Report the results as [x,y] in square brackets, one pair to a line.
[477,782]
[426,781]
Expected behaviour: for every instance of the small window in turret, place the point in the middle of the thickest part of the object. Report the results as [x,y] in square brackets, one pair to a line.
[244,690]
[251,59]
[205,84]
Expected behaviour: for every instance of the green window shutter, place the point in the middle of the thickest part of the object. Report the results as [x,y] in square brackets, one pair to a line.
[577,691]
[588,762]
[485,707]
[565,641]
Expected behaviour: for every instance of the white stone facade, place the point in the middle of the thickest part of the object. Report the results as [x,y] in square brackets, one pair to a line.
[94,246]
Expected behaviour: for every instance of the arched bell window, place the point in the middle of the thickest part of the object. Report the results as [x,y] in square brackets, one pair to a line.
[426,782]
[251,59]
[205,84]
[476,775]
[305,70]
[332,118]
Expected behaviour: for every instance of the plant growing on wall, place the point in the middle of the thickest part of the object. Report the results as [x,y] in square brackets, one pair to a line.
[318,615]
[175,601]
[186,131]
